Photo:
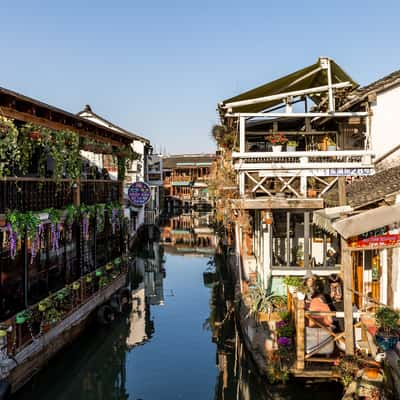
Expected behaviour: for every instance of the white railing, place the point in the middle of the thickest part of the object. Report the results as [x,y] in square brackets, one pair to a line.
[249,161]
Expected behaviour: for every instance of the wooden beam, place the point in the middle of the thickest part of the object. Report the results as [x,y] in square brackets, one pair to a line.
[348,297]
[265,203]
[282,96]
[300,331]
[48,123]
[299,115]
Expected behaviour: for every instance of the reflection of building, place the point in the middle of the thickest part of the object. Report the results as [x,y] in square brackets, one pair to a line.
[189,234]
[185,179]
[137,330]
[148,291]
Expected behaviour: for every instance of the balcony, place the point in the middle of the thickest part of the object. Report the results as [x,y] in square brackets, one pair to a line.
[288,163]
[292,174]
[35,194]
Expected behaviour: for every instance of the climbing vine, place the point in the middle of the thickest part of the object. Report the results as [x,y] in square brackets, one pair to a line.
[9,149]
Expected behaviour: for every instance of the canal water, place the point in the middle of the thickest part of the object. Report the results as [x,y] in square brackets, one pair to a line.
[178,341]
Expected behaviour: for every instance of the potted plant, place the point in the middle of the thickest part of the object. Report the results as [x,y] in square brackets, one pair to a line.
[265,307]
[89,279]
[22,317]
[311,191]
[293,283]
[291,145]
[387,335]
[76,285]
[277,140]
[44,304]
[331,145]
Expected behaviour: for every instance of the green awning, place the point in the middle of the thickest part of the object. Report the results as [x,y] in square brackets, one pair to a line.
[306,78]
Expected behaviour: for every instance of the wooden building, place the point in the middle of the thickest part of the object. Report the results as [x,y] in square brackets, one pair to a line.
[295,145]
[185,179]
[63,230]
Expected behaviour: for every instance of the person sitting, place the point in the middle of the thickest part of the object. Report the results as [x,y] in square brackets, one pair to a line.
[331,257]
[319,304]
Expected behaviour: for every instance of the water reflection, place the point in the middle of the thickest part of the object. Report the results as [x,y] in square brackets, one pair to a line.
[179,338]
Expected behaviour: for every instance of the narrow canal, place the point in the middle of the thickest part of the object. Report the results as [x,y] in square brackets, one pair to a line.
[167,345]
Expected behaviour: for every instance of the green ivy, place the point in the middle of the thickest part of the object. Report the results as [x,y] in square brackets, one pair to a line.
[9,149]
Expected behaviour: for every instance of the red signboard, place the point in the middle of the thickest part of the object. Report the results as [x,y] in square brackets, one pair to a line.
[377,241]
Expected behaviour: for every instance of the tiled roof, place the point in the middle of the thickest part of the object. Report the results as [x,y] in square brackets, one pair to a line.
[381,84]
[374,188]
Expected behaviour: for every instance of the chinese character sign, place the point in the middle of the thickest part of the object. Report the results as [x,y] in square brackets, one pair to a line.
[139,193]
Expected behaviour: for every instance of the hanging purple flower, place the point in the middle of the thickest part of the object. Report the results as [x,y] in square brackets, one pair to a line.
[55,236]
[284,341]
[13,240]
[85,225]
[35,244]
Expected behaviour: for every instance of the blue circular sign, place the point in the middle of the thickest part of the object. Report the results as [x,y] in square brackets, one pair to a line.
[139,193]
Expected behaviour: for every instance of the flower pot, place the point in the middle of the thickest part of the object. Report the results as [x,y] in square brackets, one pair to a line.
[89,279]
[290,148]
[20,319]
[262,316]
[109,267]
[42,307]
[331,147]
[292,289]
[277,148]
[301,295]
[252,278]
[311,193]
[76,285]
[386,342]
[371,373]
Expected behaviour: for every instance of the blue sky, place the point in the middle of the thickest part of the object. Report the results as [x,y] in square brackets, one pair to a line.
[159,68]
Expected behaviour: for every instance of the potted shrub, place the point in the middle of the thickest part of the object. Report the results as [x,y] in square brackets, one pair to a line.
[265,307]
[291,145]
[387,335]
[293,283]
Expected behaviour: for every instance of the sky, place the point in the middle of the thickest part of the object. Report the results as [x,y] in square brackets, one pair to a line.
[159,68]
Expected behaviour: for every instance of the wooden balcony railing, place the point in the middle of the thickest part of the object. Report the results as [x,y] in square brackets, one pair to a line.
[35,194]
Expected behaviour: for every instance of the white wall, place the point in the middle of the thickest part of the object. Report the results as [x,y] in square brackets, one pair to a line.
[385,123]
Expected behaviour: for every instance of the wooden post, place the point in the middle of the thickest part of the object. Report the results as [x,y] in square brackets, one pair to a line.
[347,268]
[348,298]
[300,330]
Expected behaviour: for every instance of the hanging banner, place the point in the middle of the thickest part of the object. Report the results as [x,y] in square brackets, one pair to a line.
[377,241]
[139,193]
